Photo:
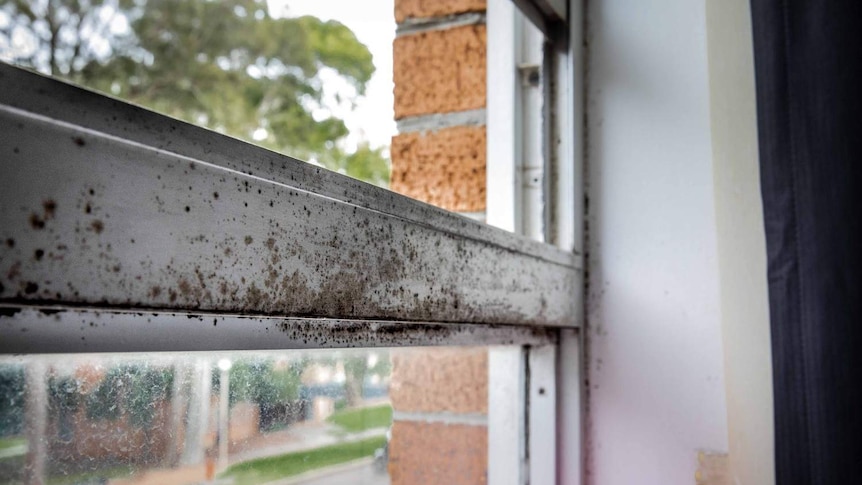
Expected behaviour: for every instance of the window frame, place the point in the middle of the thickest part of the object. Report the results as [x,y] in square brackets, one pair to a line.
[423,264]
[535,187]
[530,441]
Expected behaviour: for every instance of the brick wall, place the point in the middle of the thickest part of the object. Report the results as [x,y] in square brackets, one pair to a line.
[440,396]
[440,402]
[439,73]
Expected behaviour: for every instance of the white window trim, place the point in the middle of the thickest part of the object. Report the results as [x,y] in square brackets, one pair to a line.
[536,439]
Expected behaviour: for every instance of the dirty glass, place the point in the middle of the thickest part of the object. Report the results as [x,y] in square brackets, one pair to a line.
[308,78]
[309,417]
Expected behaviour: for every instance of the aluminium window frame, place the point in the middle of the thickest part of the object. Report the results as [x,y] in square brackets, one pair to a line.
[535,187]
[460,305]
[168,217]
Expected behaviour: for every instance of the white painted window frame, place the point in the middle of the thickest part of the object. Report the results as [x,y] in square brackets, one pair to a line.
[535,188]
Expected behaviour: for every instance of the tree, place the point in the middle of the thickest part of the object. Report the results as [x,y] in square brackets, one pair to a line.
[132,391]
[366,163]
[357,368]
[226,65]
[255,379]
[274,388]
[12,394]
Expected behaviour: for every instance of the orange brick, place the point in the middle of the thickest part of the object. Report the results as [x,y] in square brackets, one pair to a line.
[440,71]
[440,380]
[445,168]
[435,453]
[405,9]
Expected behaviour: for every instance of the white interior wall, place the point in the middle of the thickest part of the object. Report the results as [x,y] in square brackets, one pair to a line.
[654,357]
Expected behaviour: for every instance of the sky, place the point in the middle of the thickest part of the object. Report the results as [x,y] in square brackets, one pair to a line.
[373,22]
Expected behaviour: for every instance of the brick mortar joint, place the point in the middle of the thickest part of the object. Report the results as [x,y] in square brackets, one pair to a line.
[417,25]
[433,122]
[441,417]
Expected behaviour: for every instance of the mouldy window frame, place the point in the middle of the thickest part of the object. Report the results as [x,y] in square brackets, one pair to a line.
[137,213]
[160,234]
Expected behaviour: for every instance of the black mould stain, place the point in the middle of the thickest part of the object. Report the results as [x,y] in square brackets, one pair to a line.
[79,141]
[10,243]
[248,240]
[8,311]
[98,226]
[185,287]
[14,271]
[188,208]
[31,288]
[36,222]
[38,254]
[215,195]
[88,208]
[50,208]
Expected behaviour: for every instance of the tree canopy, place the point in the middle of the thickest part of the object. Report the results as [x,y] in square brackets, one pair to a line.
[228,65]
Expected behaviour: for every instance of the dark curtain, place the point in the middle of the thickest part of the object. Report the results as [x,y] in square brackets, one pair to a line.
[808,64]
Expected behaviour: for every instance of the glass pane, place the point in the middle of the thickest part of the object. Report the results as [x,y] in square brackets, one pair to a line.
[244,417]
[308,78]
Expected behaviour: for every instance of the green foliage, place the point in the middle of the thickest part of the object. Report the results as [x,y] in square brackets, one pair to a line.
[63,394]
[103,401]
[383,366]
[148,387]
[366,163]
[11,399]
[356,369]
[359,419]
[276,467]
[131,389]
[257,381]
[226,65]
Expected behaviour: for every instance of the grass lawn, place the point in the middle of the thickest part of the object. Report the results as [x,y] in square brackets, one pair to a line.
[360,419]
[274,467]
[12,442]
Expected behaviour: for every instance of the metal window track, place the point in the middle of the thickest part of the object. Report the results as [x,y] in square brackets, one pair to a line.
[74,330]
